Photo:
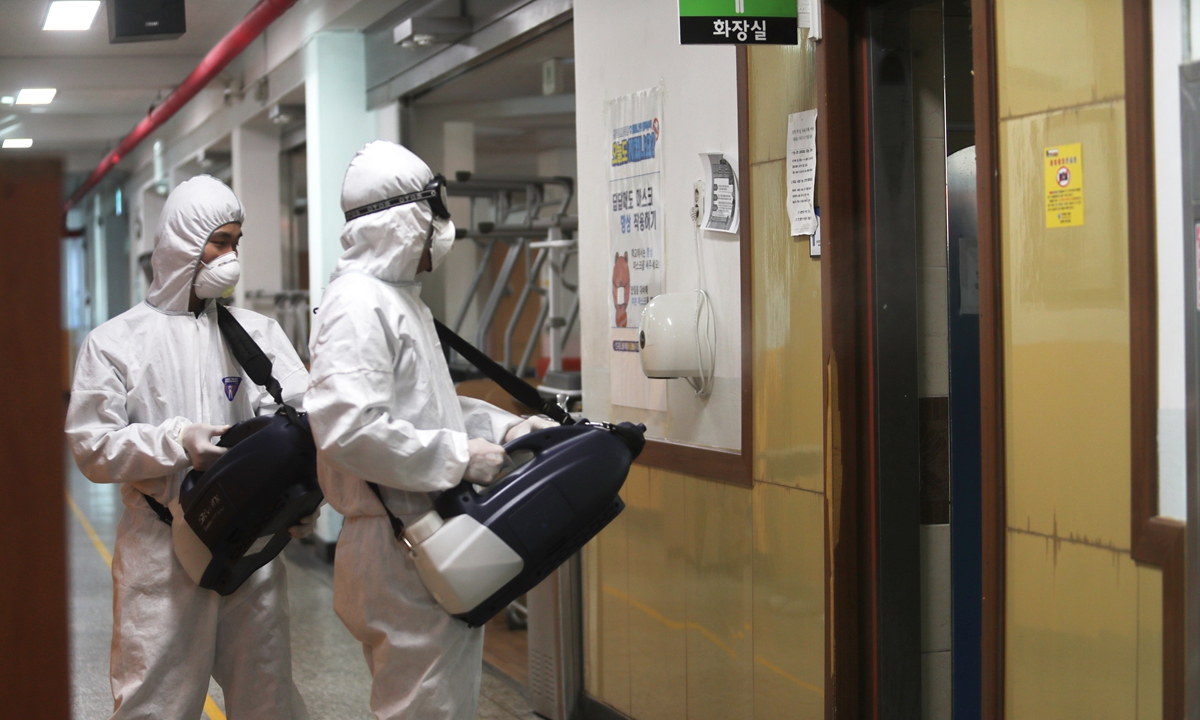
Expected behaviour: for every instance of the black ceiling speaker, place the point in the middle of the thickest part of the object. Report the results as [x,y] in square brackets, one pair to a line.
[140,20]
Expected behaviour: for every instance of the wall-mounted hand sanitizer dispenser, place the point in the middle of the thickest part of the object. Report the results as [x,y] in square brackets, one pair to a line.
[676,337]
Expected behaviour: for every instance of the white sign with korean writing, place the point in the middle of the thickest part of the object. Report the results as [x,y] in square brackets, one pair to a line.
[635,218]
[802,171]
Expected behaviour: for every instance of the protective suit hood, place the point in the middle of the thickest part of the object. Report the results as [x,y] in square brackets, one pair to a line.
[193,211]
[387,244]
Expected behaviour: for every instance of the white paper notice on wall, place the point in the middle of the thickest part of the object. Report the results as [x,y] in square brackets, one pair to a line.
[808,15]
[635,236]
[804,13]
[628,385]
[719,207]
[635,218]
[802,171]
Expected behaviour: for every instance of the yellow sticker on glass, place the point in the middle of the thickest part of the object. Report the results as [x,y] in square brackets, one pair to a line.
[1064,185]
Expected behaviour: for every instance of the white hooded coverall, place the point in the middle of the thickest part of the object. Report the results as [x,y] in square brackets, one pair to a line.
[139,380]
[383,409]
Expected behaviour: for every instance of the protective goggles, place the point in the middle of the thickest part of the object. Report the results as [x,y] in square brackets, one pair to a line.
[434,193]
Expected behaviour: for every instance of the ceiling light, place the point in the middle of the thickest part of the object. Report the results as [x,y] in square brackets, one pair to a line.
[36,96]
[17,143]
[71,14]
[425,31]
[7,100]
[284,114]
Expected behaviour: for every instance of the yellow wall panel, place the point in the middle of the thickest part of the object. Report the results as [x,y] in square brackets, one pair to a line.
[781,83]
[1067,332]
[1058,54]
[787,342]
[657,527]
[789,603]
[1072,631]
[719,602]
[607,622]
[1150,643]
[1068,440]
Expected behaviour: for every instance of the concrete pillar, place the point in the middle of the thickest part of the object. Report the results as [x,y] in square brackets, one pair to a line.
[149,210]
[338,125]
[458,154]
[99,257]
[256,182]
[116,232]
[386,121]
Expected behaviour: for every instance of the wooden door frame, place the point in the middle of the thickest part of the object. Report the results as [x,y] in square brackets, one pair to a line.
[850,684]
[991,356]
[1156,540]
[34,609]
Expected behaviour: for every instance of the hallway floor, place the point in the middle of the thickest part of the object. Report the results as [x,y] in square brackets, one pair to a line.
[327,662]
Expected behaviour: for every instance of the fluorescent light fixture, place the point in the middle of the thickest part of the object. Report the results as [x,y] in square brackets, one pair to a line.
[36,96]
[7,100]
[17,143]
[71,14]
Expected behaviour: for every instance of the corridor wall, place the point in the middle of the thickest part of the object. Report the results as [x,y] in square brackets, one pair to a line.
[1083,621]
[706,599]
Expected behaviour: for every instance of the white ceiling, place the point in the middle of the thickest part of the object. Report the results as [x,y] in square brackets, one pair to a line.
[103,89]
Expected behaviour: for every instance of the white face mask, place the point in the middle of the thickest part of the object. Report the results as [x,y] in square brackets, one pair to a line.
[442,242]
[218,278]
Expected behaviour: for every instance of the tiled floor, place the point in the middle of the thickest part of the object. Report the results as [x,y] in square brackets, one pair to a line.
[327,662]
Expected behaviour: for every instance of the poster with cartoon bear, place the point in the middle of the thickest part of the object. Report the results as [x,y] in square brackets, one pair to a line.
[635,221]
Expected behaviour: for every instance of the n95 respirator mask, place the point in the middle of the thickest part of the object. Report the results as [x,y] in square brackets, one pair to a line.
[218,278]
[442,241]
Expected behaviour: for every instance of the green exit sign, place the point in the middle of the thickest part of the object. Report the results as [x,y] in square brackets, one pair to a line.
[738,22]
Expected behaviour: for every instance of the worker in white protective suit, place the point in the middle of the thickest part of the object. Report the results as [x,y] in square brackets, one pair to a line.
[154,388]
[384,410]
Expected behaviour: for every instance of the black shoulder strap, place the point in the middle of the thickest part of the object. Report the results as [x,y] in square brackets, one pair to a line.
[251,357]
[520,390]
[162,513]
[397,523]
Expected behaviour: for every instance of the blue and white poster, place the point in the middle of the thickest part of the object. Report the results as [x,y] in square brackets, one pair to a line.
[635,219]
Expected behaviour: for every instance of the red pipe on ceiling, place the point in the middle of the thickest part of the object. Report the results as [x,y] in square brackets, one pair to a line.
[230,46]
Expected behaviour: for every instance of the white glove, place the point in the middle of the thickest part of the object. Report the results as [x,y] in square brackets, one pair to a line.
[487,460]
[306,526]
[197,442]
[528,425]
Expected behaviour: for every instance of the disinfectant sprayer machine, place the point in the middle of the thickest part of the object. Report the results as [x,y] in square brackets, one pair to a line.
[480,549]
[233,518]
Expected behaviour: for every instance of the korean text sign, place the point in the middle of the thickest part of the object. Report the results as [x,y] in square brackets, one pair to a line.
[738,22]
[635,217]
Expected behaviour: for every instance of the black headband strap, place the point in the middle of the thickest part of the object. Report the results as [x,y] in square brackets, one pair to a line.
[427,194]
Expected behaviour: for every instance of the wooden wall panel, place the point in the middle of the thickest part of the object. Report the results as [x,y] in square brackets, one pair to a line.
[34,667]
